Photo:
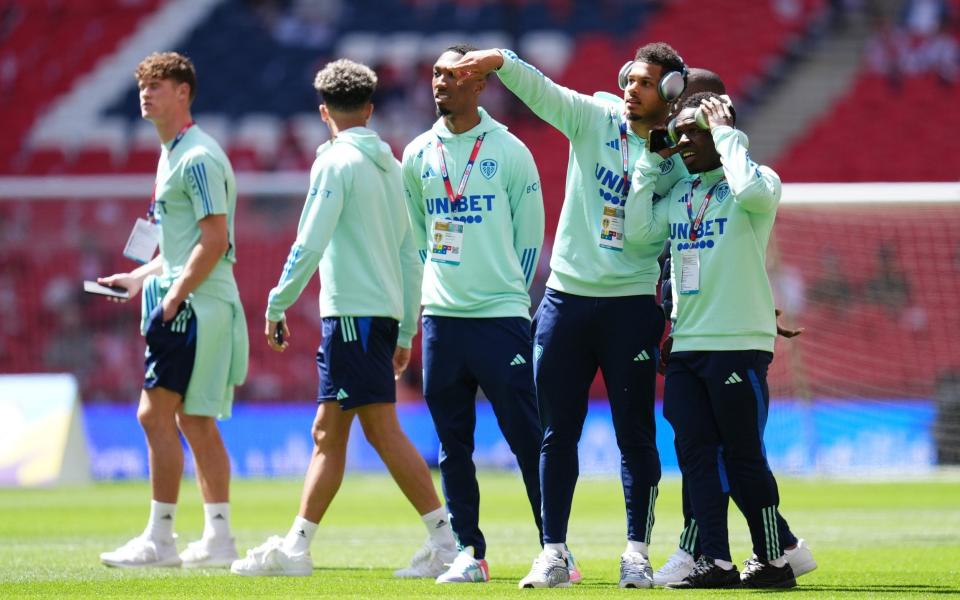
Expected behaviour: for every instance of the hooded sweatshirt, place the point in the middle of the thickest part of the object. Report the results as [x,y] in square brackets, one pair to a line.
[584,263]
[354,226]
[733,307]
[501,212]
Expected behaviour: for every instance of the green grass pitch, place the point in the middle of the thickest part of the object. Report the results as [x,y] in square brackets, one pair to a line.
[872,540]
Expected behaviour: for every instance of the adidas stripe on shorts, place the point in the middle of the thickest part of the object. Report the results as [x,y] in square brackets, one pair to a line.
[355,361]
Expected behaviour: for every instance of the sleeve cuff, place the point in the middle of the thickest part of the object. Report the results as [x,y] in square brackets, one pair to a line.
[405,340]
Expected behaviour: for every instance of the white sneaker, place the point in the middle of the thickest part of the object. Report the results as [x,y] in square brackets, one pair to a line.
[549,570]
[800,559]
[429,561]
[143,551]
[677,567]
[212,552]
[466,569]
[270,558]
[635,571]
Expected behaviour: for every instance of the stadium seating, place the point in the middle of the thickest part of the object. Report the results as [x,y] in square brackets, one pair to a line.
[880,132]
[46,46]
[257,101]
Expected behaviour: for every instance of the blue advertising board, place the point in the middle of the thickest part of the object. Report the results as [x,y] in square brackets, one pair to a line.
[823,436]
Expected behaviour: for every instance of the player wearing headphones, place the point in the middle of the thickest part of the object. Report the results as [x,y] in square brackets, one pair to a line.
[599,310]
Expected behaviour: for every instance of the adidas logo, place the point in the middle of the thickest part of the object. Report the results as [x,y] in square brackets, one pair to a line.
[440,524]
[302,533]
[517,360]
[151,371]
[342,394]
[615,144]
[734,378]
[167,517]
[429,173]
[641,357]
[219,517]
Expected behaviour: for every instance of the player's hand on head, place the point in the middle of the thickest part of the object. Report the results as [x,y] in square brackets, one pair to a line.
[476,65]
[401,358]
[717,112]
[124,280]
[270,330]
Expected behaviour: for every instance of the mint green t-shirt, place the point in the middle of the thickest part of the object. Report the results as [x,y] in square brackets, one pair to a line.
[195,180]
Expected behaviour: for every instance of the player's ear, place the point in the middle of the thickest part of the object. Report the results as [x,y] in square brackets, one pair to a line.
[324,113]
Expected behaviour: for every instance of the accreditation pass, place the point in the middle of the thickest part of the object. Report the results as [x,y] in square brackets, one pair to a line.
[447,241]
[143,241]
[611,228]
[690,271]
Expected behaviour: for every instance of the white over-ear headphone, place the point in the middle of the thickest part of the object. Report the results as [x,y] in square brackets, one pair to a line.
[671,86]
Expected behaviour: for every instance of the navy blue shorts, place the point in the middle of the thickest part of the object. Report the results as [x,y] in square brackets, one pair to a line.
[355,361]
[171,348]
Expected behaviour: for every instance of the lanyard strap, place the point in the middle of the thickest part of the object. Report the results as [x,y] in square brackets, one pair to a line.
[152,209]
[625,154]
[466,170]
[695,223]
[180,134]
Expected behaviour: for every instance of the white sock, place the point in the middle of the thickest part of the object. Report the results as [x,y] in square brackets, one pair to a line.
[438,526]
[160,523]
[561,548]
[300,536]
[726,565]
[216,520]
[640,547]
[779,562]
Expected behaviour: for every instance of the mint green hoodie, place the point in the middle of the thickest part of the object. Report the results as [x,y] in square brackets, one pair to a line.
[502,212]
[734,308]
[354,226]
[594,180]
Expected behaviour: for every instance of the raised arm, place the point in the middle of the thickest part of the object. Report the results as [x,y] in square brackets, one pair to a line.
[646,222]
[562,107]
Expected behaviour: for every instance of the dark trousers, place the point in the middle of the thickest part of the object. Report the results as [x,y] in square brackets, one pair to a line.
[574,336]
[717,403]
[495,354]
[690,538]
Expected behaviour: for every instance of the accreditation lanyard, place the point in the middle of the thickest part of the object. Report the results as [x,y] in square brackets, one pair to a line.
[625,154]
[151,210]
[695,223]
[466,170]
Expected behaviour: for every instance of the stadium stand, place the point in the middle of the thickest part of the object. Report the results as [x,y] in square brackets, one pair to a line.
[256,60]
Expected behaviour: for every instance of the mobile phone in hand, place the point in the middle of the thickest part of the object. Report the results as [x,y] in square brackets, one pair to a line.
[659,140]
[113,291]
[278,334]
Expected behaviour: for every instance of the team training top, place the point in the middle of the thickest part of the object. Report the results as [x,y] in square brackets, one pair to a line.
[734,307]
[595,173]
[501,212]
[354,226]
[195,180]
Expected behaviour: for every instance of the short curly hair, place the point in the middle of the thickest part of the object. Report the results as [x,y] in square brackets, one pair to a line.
[345,85]
[659,53]
[168,65]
